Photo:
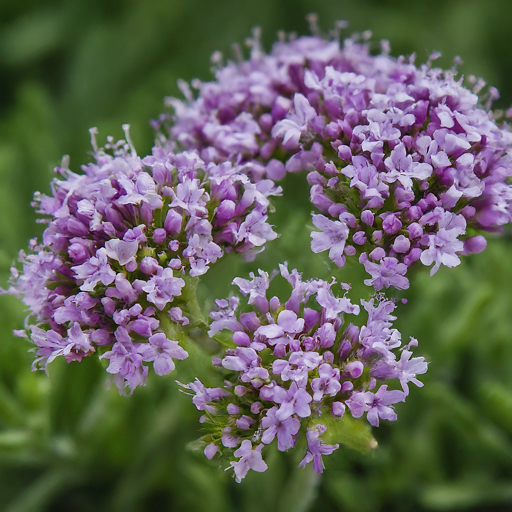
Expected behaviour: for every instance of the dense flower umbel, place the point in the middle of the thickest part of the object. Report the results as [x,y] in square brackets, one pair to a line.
[295,363]
[124,242]
[404,163]
[399,173]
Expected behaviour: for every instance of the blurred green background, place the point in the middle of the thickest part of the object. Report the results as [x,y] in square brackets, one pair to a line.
[68,444]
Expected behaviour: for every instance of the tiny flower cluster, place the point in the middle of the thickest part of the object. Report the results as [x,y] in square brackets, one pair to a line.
[292,364]
[123,241]
[404,163]
[399,174]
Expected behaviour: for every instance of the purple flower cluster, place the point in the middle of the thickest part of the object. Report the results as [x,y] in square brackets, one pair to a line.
[404,162]
[292,364]
[404,165]
[123,240]
[400,173]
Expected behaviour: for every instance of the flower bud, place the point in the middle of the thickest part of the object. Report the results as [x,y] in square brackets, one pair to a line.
[354,369]
[377,254]
[266,122]
[244,423]
[240,390]
[337,409]
[319,199]
[159,236]
[242,339]
[475,244]
[131,266]
[233,409]
[415,230]
[367,217]
[149,265]
[349,250]
[413,256]
[276,170]
[78,253]
[250,321]
[344,153]
[391,224]
[333,130]
[414,213]
[113,216]
[468,212]
[348,218]
[256,407]
[175,263]
[401,244]
[174,245]
[109,305]
[211,450]
[274,303]
[280,108]
[359,238]
[377,236]
[173,222]
[225,211]
[347,386]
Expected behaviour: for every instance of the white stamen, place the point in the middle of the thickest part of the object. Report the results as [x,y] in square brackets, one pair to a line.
[94,131]
[312,19]
[126,129]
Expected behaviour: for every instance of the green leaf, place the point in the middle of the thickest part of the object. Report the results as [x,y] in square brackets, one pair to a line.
[349,431]
[224,339]
[14,438]
[196,445]
[40,493]
[300,491]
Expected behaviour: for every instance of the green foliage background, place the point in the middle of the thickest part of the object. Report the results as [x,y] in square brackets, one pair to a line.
[68,444]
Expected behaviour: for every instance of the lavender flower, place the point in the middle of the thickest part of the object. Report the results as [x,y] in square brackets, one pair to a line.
[249,459]
[125,234]
[317,448]
[376,405]
[332,237]
[389,147]
[388,273]
[404,165]
[300,362]
[284,429]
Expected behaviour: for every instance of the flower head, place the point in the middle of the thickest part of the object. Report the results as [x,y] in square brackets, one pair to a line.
[296,363]
[127,233]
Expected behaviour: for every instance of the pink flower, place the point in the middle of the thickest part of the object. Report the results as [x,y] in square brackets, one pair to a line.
[249,459]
